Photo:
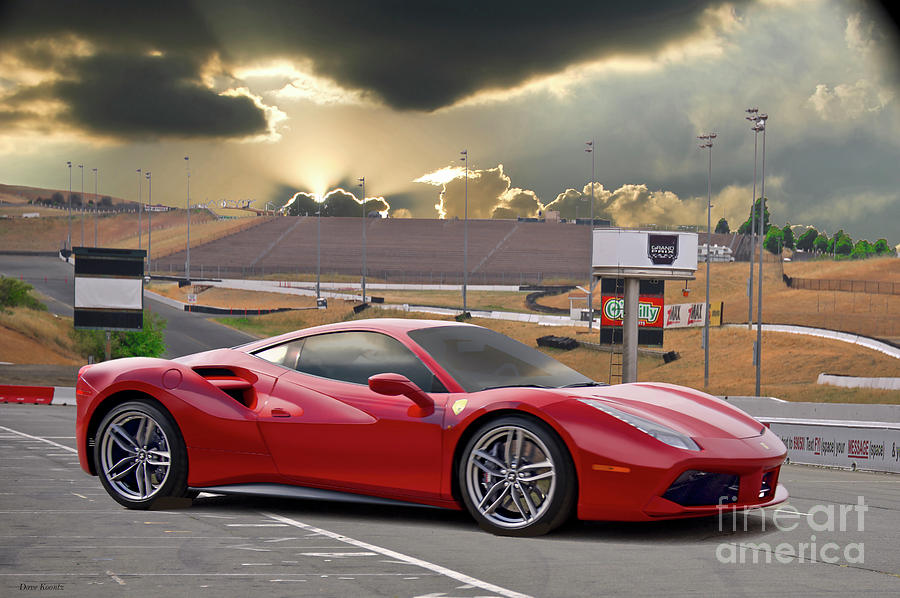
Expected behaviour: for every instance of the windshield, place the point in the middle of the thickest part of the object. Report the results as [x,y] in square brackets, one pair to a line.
[479,359]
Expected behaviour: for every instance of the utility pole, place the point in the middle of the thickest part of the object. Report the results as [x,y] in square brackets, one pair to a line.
[707,145]
[362,183]
[465,160]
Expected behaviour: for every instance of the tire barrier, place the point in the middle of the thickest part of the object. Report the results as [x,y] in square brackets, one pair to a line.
[235,311]
[558,342]
[544,291]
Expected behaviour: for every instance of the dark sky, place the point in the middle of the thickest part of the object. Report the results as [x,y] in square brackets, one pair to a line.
[274,98]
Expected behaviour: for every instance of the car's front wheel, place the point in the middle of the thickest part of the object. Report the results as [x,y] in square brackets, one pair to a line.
[516,477]
[140,455]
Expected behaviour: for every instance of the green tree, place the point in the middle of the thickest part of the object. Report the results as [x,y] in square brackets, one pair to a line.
[58,199]
[843,245]
[787,234]
[821,244]
[774,240]
[757,205]
[806,240]
[149,342]
[862,250]
[881,247]
[722,227]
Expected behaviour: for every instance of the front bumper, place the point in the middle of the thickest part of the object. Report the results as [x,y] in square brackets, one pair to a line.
[651,486]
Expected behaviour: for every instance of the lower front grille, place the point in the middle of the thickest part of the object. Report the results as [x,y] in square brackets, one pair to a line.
[768,483]
[696,488]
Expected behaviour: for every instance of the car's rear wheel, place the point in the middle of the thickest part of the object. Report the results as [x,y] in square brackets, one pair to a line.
[140,455]
[516,477]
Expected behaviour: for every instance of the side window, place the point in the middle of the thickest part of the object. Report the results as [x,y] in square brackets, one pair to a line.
[285,354]
[354,356]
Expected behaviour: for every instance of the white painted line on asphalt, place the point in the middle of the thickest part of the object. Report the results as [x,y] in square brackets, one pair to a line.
[338,554]
[24,435]
[45,574]
[399,556]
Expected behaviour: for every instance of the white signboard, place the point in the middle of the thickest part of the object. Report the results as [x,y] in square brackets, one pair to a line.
[854,445]
[645,254]
[685,315]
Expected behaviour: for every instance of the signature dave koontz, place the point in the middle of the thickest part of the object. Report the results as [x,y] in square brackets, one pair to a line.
[830,518]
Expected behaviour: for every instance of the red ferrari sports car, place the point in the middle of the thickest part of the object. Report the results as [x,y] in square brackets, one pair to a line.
[431,412]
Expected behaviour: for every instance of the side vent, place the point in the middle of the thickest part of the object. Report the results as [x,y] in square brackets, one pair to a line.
[237,383]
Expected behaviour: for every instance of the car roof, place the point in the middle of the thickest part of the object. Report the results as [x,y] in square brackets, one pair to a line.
[390,326]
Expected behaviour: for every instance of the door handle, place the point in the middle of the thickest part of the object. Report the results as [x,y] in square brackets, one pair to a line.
[279,412]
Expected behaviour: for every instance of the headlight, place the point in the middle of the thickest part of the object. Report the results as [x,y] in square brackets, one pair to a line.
[658,431]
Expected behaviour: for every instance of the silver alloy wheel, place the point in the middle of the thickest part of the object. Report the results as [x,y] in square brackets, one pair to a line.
[510,477]
[134,455]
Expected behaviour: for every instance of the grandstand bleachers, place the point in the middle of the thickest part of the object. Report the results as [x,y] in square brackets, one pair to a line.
[401,250]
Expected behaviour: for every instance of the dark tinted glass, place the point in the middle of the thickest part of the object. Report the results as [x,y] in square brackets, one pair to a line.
[355,356]
[479,358]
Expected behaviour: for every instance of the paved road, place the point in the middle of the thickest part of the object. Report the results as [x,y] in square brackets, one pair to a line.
[57,526]
[185,333]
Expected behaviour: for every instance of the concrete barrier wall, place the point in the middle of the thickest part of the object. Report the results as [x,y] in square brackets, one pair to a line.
[859,382]
[873,446]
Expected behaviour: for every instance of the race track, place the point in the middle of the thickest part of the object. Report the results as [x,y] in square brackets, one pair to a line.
[59,528]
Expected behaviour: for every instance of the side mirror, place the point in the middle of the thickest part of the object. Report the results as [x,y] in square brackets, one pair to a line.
[396,384]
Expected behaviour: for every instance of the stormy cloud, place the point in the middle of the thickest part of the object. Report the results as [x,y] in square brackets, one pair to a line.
[135,71]
[140,96]
[336,202]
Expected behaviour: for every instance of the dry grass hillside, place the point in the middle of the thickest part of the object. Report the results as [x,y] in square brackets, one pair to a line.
[36,337]
[48,232]
[859,313]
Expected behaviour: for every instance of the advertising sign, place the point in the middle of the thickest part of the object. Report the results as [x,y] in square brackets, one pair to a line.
[650,311]
[662,249]
[109,288]
[644,254]
[689,315]
[874,446]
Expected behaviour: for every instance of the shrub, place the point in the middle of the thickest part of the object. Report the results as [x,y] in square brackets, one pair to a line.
[15,293]
[149,342]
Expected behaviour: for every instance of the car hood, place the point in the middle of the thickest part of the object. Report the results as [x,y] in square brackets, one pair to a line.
[689,411]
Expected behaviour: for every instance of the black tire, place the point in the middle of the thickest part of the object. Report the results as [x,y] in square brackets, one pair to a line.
[140,455]
[516,477]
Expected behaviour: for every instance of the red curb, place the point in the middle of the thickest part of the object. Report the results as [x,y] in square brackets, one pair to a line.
[32,395]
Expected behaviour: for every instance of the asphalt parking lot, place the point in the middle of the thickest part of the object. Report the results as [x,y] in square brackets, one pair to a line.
[60,534]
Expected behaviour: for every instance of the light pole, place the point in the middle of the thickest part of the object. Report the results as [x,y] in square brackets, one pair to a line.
[589,148]
[465,160]
[81,166]
[95,206]
[140,226]
[761,123]
[149,219]
[69,210]
[752,117]
[187,261]
[707,145]
[362,183]
[318,251]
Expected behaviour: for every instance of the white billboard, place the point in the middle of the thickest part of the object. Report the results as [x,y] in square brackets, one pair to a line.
[644,254]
